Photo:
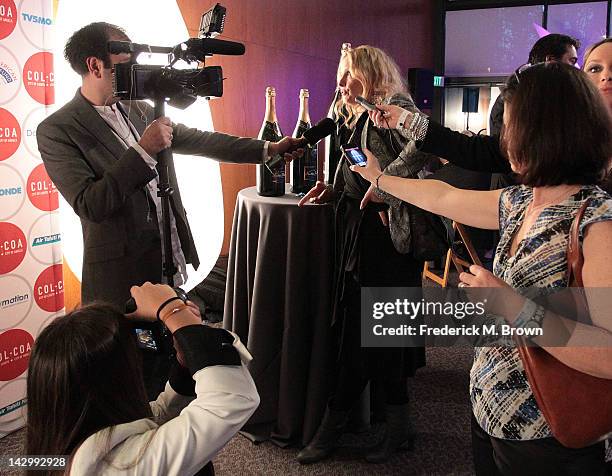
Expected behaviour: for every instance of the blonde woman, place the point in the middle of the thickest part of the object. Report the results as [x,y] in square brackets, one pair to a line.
[374,247]
[598,67]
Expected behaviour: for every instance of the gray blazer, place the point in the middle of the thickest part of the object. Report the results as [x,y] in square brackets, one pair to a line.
[403,217]
[106,186]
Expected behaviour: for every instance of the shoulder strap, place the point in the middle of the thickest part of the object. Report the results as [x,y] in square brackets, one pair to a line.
[575,259]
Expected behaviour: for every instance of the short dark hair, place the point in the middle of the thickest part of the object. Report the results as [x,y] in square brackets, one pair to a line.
[91,41]
[84,375]
[553,44]
[559,130]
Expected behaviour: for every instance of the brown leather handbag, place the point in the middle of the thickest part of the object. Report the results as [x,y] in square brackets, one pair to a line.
[577,406]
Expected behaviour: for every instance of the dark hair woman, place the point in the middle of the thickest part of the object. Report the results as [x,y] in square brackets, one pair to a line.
[86,395]
[559,140]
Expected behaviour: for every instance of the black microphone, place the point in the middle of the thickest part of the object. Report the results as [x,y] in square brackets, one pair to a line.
[322,129]
[198,48]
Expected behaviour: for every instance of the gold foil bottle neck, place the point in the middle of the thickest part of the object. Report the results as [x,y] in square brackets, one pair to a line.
[270,91]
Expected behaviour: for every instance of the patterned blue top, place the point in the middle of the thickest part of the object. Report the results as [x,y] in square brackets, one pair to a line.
[502,400]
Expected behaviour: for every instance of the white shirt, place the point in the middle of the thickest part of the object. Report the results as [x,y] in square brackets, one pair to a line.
[175,445]
[129,137]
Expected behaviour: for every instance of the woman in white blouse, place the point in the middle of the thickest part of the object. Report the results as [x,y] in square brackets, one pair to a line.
[86,396]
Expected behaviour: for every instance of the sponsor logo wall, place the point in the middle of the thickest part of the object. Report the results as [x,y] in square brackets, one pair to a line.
[31,283]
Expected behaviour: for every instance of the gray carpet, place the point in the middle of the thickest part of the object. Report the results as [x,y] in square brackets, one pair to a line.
[442,420]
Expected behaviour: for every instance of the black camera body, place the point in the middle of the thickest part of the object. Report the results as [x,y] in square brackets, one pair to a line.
[132,81]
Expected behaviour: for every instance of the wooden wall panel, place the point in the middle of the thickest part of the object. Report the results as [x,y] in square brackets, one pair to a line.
[291,44]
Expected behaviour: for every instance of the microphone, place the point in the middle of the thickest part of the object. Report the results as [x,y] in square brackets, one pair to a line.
[198,48]
[322,129]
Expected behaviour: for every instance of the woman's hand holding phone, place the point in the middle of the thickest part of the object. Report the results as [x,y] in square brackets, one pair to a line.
[371,171]
[354,155]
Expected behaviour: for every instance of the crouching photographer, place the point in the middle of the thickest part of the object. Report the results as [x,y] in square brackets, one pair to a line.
[86,396]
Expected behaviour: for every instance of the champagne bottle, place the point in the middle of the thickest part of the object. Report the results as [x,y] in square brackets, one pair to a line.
[304,170]
[270,183]
[333,153]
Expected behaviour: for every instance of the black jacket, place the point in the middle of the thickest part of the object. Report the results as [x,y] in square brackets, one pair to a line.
[477,153]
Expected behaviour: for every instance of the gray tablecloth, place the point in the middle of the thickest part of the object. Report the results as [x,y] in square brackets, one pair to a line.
[278,300]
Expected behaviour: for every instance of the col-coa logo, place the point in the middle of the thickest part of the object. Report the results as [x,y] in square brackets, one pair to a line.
[10,134]
[8,17]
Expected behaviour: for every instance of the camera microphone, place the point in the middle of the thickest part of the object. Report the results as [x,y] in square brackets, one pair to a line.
[198,48]
[322,129]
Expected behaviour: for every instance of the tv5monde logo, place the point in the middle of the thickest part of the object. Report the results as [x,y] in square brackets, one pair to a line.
[36,20]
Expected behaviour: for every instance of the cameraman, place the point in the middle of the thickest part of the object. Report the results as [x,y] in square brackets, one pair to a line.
[86,398]
[100,153]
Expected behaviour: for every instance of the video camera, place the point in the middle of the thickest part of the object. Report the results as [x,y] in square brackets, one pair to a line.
[179,87]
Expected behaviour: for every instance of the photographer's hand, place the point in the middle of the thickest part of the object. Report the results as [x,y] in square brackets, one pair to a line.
[157,136]
[149,297]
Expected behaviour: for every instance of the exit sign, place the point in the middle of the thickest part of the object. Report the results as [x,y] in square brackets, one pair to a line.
[438,81]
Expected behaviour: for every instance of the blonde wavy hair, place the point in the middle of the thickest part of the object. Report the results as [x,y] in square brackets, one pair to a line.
[378,74]
[592,48]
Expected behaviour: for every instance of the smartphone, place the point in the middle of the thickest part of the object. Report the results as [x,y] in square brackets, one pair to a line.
[146,340]
[355,155]
[365,103]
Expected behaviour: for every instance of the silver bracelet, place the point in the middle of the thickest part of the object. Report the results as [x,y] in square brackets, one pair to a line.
[421,128]
[417,130]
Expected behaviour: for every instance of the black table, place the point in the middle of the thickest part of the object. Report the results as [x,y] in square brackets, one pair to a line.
[278,300]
